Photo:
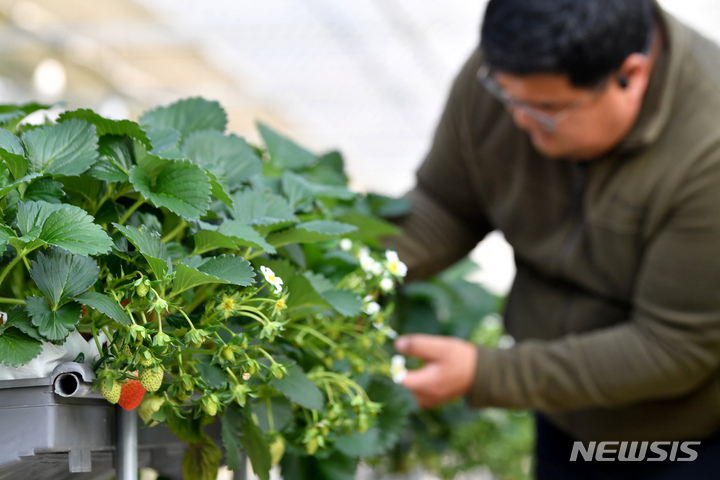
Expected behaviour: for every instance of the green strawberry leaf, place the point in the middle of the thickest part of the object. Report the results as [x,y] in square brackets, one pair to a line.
[45,190]
[302,293]
[202,460]
[71,228]
[152,164]
[11,115]
[369,228]
[182,187]
[16,347]
[31,217]
[346,302]
[310,232]
[12,186]
[67,148]
[212,374]
[108,127]
[397,404]
[10,143]
[229,157]
[17,163]
[299,389]
[232,421]
[105,305]
[224,269]
[115,160]
[359,444]
[61,276]
[258,207]
[245,236]
[208,240]
[336,466]
[298,189]
[218,190]
[164,140]
[18,318]
[240,434]
[149,244]
[6,233]
[257,449]
[281,412]
[186,116]
[284,153]
[12,153]
[54,325]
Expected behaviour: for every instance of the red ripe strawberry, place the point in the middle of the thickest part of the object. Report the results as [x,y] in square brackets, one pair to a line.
[131,395]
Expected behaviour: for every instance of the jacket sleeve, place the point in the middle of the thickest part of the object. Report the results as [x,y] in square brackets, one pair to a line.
[445,220]
[670,345]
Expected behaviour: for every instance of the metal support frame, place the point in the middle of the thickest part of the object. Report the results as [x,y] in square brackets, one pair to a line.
[126,444]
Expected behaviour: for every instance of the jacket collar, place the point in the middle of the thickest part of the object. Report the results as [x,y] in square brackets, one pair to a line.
[662,86]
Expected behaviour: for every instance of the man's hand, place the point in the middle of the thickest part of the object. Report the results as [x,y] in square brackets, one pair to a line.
[448,372]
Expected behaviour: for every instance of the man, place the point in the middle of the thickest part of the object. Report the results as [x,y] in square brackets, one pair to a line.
[588,132]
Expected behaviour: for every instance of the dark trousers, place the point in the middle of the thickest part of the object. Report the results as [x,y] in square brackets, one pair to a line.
[554,447]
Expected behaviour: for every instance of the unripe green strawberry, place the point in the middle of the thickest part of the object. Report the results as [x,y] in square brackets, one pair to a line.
[126,351]
[311,446]
[148,406]
[228,354]
[146,362]
[209,406]
[277,450]
[363,423]
[112,395]
[182,397]
[151,379]
[142,289]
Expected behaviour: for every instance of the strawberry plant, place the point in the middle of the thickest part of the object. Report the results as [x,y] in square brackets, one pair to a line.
[220,281]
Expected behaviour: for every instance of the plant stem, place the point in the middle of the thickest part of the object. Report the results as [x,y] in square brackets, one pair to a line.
[105,198]
[175,232]
[314,333]
[132,209]
[14,301]
[266,354]
[232,375]
[21,254]
[97,342]
[254,310]
[199,298]
[271,423]
[186,318]
[257,253]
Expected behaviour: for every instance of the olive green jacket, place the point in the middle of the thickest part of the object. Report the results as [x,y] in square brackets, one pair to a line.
[616,302]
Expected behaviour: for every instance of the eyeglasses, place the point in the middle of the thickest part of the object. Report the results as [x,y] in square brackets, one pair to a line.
[548,121]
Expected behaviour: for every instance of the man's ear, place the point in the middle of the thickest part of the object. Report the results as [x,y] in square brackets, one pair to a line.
[633,75]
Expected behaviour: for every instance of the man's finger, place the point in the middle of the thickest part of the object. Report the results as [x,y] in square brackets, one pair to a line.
[425,347]
[419,380]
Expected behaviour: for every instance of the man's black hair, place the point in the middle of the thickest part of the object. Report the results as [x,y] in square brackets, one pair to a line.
[584,39]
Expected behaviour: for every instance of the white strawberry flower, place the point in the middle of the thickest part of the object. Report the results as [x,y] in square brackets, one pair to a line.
[492,321]
[395,266]
[372,308]
[272,278]
[397,368]
[346,244]
[386,329]
[386,284]
[506,341]
[367,263]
